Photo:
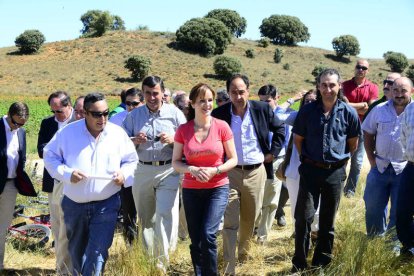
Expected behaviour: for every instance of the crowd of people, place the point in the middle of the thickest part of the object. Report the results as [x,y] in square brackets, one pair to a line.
[208,160]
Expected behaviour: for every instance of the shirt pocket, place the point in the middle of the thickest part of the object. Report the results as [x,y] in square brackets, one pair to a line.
[386,128]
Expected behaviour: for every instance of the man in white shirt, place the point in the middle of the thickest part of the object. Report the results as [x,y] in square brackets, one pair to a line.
[93,159]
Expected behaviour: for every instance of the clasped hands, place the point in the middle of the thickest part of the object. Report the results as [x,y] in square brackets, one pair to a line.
[202,174]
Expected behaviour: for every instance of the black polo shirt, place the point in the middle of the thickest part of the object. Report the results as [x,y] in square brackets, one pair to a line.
[326,137]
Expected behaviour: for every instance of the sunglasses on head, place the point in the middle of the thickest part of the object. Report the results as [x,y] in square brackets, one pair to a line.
[128,103]
[360,67]
[15,123]
[56,111]
[389,82]
[97,114]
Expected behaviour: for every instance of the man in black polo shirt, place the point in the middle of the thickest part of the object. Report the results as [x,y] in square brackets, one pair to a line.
[326,134]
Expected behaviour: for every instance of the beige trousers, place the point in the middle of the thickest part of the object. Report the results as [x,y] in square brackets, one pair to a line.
[245,203]
[63,260]
[7,203]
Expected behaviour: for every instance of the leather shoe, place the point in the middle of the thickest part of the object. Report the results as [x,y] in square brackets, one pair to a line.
[281,221]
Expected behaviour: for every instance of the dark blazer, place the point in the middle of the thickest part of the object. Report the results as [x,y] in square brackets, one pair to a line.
[264,121]
[22,181]
[47,130]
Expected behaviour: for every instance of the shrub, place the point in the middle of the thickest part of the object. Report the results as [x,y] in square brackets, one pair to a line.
[250,53]
[96,23]
[264,42]
[397,61]
[346,45]
[206,36]
[278,55]
[284,30]
[225,67]
[233,21]
[410,72]
[139,66]
[29,41]
[286,66]
[318,69]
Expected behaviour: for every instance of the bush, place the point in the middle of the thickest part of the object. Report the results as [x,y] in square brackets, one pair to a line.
[139,66]
[286,66]
[278,55]
[397,61]
[233,21]
[346,45]
[264,42]
[206,36]
[250,53]
[318,69]
[225,67]
[29,41]
[284,30]
[96,23]
[410,72]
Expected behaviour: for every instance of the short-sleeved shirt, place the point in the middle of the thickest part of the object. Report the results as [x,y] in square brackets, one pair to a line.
[407,132]
[385,124]
[208,153]
[326,137]
[365,92]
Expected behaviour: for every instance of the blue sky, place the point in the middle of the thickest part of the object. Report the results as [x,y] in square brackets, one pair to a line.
[379,25]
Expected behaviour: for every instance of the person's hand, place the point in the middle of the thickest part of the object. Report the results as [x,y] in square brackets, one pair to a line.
[118,178]
[77,176]
[299,95]
[140,138]
[207,173]
[165,138]
[268,158]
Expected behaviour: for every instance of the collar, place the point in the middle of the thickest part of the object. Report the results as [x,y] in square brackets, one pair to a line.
[7,126]
[160,112]
[247,110]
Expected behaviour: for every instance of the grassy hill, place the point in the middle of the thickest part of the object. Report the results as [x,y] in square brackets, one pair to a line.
[90,64]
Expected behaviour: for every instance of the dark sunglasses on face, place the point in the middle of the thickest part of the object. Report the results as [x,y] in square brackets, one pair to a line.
[98,115]
[128,103]
[389,82]
[56,111]
[16,123]
[360,67]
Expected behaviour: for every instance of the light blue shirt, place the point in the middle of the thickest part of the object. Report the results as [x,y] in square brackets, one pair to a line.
[166,120]
[245,139]
[407,132]
[119,118]
[385,124]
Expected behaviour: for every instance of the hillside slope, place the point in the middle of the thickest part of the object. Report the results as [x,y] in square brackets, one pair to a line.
[90,64]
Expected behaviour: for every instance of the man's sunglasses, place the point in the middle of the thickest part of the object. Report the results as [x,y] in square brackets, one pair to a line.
[98,115]
[128,103]
[15,123]
[360,67]
[389,82]
[57,111]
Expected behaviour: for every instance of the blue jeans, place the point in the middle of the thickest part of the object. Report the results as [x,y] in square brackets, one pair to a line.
[379,188]
[90,229]
[204,209]
[355,169]
[405,208]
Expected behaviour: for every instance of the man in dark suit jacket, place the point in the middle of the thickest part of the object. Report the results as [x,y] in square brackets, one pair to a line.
[13,178]
[251,122]
[61,107]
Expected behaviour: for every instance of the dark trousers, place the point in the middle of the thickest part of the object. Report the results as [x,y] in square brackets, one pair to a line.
[204,209]
[316,183]
[284,196]
[405,208]
[129,213]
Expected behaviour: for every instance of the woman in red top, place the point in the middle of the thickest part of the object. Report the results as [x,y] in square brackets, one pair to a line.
[205,142]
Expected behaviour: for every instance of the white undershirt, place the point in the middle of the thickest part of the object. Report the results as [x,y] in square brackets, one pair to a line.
[12,149]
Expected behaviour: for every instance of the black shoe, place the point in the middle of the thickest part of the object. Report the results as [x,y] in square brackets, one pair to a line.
[281,221]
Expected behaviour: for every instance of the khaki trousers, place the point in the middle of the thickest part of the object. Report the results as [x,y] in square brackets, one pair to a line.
[155,194]
[270,203]
[63,260]
[245,203]
[7,203]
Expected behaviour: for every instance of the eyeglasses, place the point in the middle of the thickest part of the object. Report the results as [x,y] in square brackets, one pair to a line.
[128,103]
[389,82]
[360,67]
[97,114]
[221,100]
[57,111]
[16,123]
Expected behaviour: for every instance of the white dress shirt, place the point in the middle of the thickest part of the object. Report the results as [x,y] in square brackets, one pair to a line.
[12,147]
[74,148]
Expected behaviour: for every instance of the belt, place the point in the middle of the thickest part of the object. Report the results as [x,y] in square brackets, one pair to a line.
[323,165]
[156,163]
[411,163]
[248,167]
[10,179]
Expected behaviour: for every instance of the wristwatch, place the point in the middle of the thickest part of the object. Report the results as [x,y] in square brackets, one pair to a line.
[218,171]
[291,101]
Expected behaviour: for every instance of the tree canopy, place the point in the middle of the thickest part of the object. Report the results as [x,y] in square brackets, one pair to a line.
[233,21]
[96,23]
[346,45]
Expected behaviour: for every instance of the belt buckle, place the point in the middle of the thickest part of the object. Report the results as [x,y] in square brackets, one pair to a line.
[156,163]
